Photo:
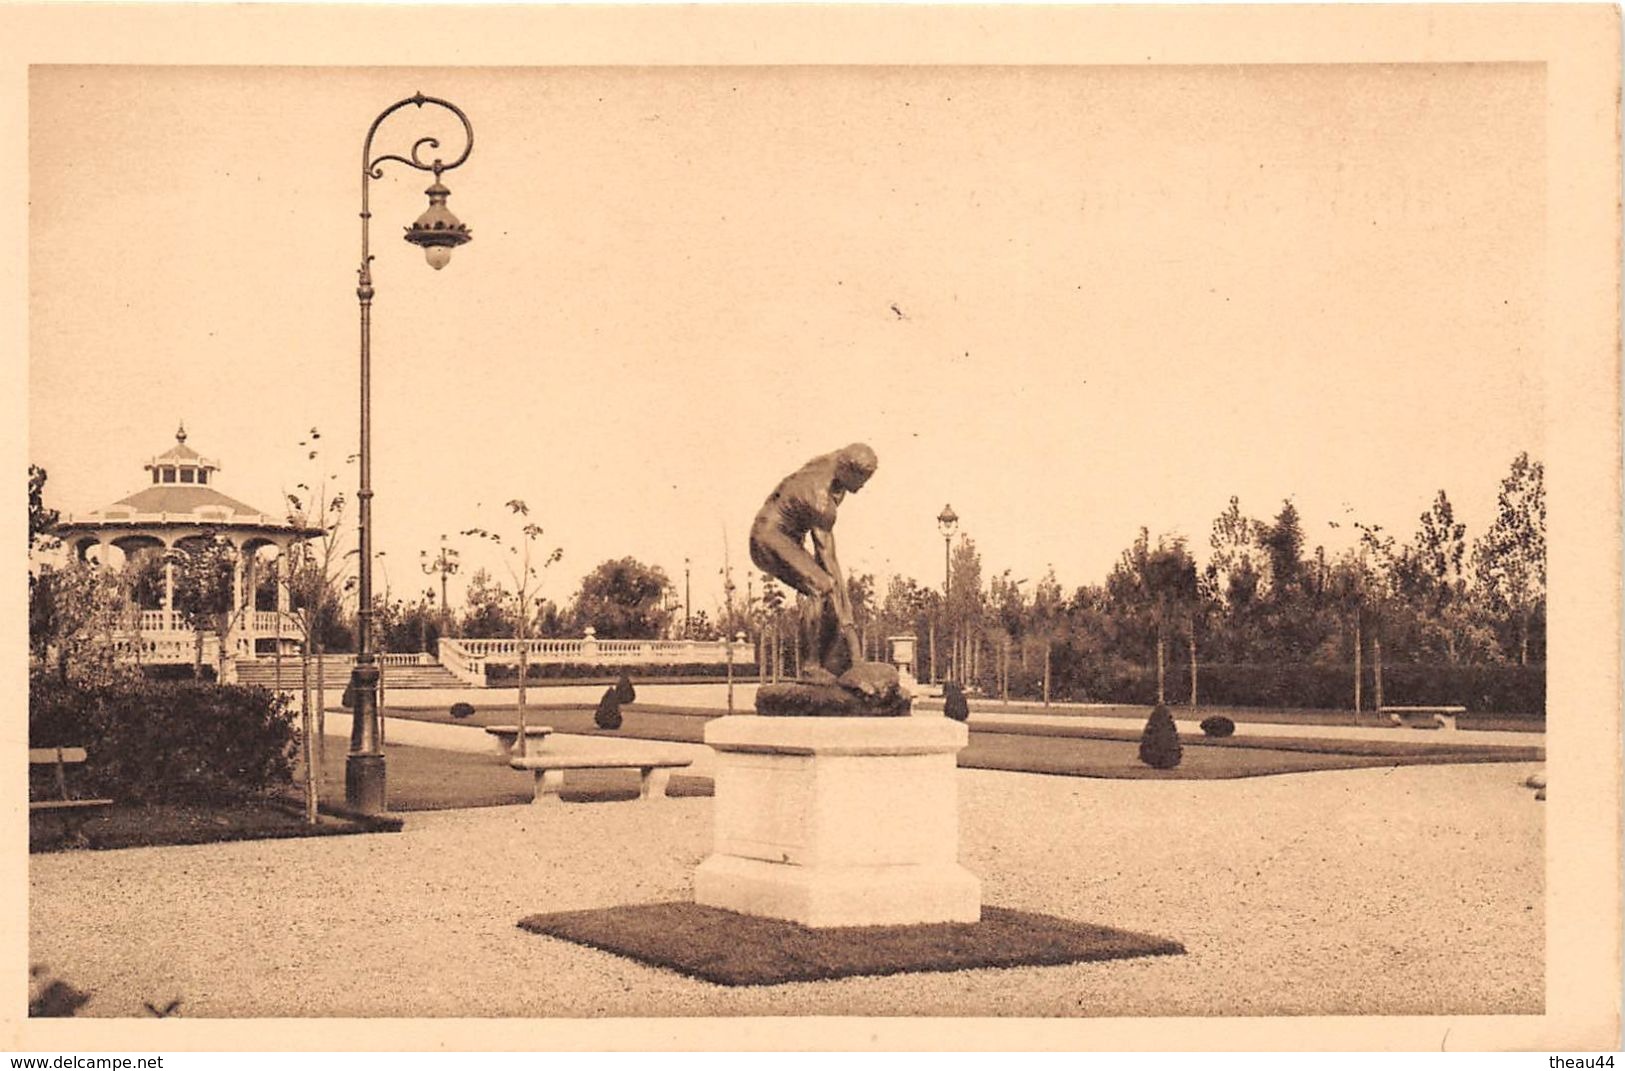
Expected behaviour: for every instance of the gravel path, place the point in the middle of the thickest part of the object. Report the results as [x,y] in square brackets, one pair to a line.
[1414,890]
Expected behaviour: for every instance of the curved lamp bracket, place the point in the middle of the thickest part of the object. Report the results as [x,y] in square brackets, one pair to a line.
[373,165]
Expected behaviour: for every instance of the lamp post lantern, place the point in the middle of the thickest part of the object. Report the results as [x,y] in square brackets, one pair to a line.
[437,232]
[947,522]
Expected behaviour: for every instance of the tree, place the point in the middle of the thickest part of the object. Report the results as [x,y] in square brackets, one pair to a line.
[1046,621]
[964,609]
[205,578]
[1235,556]
[1158,586]
[408,627]
[1282,541]
[1170,577]
[700,626]
[773,610]
[1289,605]
[1347,584]
[489,613]
[1234,579]
[74,614]
[40,519]
[1378,568]
[527,579]
[1432,578]
[1509,561]
[860,589]
[313,569]
[1009,615]
[623,599]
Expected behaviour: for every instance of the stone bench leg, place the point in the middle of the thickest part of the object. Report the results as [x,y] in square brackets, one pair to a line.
[654,782]
[548,784]
[1448,721]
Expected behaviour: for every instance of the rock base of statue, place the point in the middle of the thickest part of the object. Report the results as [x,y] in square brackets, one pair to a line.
[867,690]
[846,821]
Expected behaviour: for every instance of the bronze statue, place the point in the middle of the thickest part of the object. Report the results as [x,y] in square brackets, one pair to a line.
[803,507]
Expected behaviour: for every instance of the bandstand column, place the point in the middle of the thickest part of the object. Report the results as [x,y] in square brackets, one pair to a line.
[169,590]
[251,582]
[283,599]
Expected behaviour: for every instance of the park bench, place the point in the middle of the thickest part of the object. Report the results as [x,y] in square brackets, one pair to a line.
[1424,717]
[654,770]
[69,811]
[507,735]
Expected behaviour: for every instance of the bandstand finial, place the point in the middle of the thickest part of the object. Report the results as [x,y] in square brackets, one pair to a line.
[180,432]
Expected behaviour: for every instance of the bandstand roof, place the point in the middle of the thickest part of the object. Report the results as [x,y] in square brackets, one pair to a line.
[184,499]
[177,505]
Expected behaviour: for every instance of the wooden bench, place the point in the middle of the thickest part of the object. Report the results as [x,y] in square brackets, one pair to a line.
[507,735]
[549,769]
[1424,717]
[70,811]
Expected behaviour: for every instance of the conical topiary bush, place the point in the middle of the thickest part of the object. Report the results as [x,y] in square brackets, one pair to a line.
[624,692]
[1159,744]
[954,703]
[608,715]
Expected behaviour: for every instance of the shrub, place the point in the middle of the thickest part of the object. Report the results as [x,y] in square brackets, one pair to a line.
[608,714]
[954,703]
[624,690]
[1218,725]
[462,710]
[168,742]
[1159,744]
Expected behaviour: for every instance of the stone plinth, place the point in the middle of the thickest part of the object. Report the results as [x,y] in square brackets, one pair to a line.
[838,821]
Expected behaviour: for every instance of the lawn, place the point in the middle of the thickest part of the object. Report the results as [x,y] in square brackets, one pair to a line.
[1105,753]
[1072,750]
[146,825]
[431,779]
[434,779]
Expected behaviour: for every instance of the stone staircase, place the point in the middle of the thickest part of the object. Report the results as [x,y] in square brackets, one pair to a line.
[336,674]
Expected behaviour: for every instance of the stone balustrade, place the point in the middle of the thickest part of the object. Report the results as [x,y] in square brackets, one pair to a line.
[591,650]
[468,667]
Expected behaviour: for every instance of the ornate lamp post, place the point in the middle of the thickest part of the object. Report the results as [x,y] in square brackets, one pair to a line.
[446,565]
[947,522]
[438,232]
[686,612]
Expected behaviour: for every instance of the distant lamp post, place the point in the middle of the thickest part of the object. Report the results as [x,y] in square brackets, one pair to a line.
[437,232]
[687,615]
[947,524]
[445,564]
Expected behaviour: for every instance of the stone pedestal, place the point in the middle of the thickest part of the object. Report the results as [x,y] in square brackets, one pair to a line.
[848,821]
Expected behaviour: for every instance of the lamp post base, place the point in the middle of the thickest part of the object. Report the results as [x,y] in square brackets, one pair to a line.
[364,784]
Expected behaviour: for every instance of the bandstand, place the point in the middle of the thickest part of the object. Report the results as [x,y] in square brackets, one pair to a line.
[182,507]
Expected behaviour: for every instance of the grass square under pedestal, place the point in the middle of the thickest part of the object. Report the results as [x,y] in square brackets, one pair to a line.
[733,949]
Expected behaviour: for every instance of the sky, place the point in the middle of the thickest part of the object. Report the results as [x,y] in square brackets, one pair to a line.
[1068,301]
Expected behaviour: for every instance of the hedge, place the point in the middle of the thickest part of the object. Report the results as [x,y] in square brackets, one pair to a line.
[1482,689]
[168,742]
[175,671]
[498,673]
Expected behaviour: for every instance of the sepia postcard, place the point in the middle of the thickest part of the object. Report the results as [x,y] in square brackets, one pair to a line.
[439,633]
